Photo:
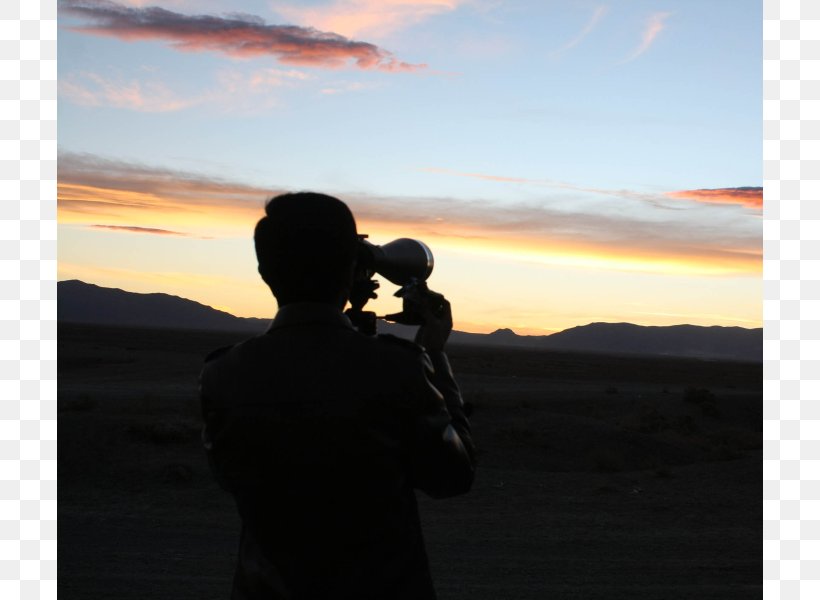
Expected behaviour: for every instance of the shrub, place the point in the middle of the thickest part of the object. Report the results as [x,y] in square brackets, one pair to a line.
[166,432]
[663,472]
[81,403]
[684,424]
[703,398]
[607,460]
[652,421]
[177,473]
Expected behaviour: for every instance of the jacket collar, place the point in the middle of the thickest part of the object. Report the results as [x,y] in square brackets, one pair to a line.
[310,313]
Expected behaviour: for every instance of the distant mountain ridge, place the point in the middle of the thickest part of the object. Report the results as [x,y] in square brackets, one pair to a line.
[694,341]
[82,302]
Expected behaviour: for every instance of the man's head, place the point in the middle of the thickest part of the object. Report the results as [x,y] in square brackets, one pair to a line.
[306,247]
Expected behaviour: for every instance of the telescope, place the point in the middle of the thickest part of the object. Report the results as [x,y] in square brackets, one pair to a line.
[404,262]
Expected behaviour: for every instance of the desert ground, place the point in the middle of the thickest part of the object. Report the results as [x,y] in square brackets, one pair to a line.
[600,477]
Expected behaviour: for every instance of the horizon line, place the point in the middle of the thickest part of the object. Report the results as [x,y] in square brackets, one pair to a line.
[497,330]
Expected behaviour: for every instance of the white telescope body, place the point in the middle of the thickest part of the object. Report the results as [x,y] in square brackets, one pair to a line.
[401,261]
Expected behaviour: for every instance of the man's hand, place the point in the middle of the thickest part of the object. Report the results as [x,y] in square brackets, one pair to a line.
[431,310]
[438,323]
[362,291]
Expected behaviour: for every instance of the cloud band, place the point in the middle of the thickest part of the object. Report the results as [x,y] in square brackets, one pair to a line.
[241,36]
[96,190]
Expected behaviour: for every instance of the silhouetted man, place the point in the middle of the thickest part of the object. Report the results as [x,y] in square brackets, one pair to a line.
[322,433]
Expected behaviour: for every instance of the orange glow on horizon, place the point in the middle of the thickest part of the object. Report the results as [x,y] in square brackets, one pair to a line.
[89,205]
[574,254]
[626,259]
[249,297]
[79,204]
[209,217]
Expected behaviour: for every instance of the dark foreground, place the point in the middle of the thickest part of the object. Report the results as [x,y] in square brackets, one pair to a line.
[600,477]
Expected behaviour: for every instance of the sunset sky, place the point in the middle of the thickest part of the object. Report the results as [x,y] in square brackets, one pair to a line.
[567,161]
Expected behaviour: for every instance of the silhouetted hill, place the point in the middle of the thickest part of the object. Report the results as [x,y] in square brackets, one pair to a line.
[693,341]
[674,340]
[81,302]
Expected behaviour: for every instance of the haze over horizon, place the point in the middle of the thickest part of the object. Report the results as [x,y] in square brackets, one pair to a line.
[567,164]
[89,305]
[500,330]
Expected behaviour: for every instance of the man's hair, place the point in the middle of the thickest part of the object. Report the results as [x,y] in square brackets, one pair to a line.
[306,247]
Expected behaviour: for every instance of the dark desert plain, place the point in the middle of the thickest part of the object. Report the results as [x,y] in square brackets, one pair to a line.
[600,477]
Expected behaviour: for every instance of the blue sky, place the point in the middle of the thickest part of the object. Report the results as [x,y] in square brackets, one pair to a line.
[562,141]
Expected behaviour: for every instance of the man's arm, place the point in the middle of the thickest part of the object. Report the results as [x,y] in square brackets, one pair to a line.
[443,454]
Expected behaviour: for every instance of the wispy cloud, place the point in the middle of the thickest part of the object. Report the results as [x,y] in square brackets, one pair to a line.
[346,87]
[142,3]
[92,190]
[597,15]
[750,197]
[376,18]
[656,200]
[542,232]
[251,92]
[654,25]
[91,89]
[176,3]
[239,36]
[134,229]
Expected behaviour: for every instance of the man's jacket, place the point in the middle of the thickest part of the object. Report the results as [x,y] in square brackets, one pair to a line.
[321,434]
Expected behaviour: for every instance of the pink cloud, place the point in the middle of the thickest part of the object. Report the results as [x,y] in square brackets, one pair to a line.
[238,36]
[654,25]
[750,197]
[367,17]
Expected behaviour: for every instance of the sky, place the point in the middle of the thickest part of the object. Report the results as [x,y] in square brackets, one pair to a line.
[567,162]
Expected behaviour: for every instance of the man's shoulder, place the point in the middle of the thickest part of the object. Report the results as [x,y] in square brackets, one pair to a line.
[405,353]
[214,364]
[218,353]
[401,345]
[228,362]
[225,355]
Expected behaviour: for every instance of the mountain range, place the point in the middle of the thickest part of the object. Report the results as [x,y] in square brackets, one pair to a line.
[81,302]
